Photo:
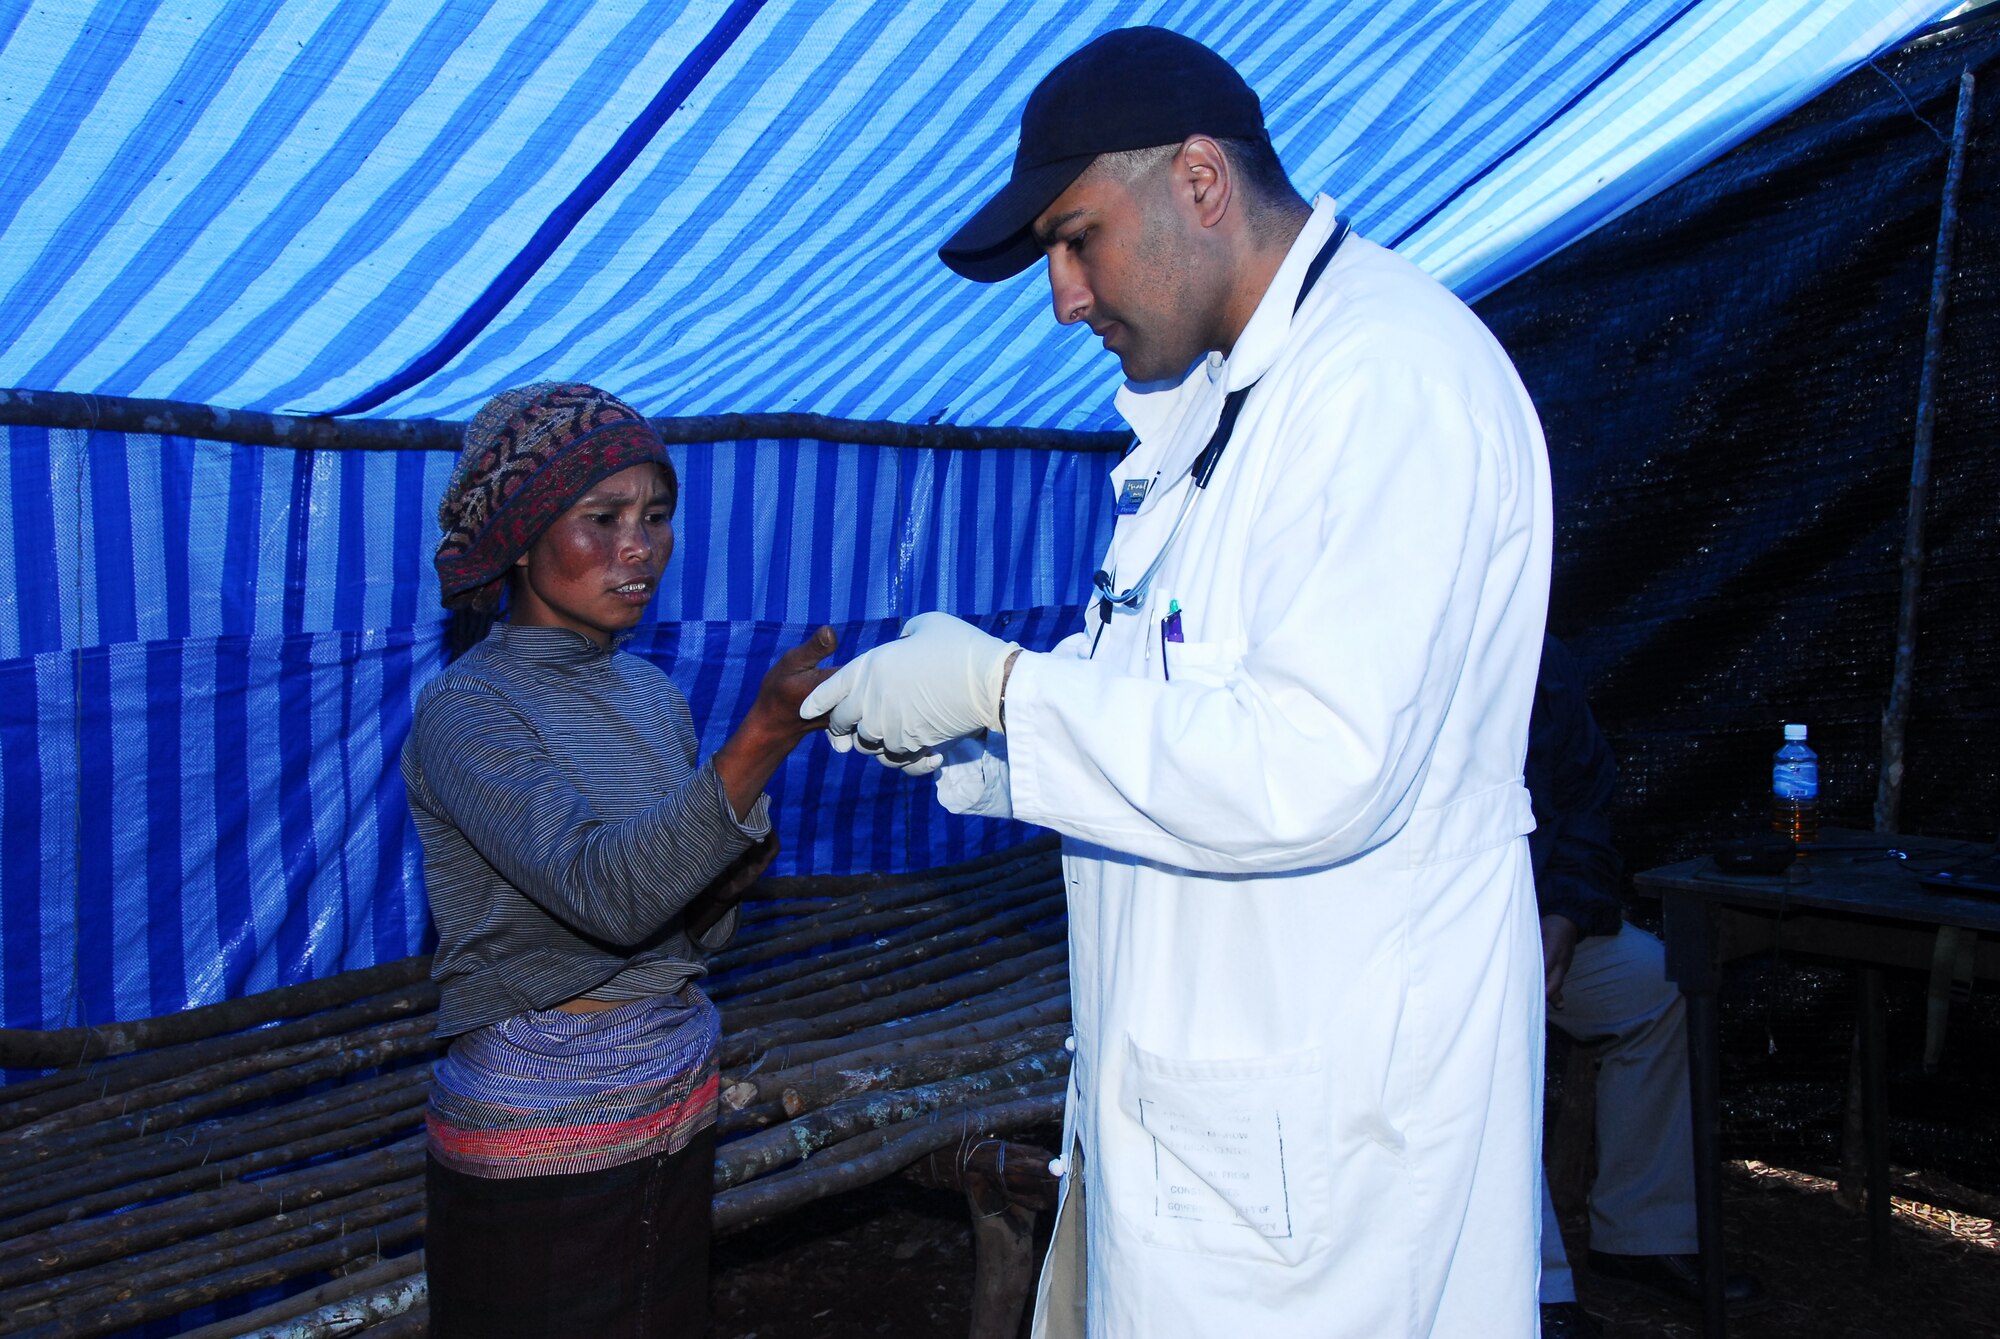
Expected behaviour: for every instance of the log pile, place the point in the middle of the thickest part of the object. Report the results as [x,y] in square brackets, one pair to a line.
[871,1025]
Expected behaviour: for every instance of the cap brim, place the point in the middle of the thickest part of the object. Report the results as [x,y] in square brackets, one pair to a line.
[996,243]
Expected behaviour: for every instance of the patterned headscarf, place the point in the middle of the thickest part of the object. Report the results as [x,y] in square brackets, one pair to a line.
[530,453]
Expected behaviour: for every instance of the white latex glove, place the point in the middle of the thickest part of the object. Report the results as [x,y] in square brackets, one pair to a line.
[910,764]
[939,681]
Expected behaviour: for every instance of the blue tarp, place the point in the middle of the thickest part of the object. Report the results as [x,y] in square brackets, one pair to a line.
[208,651]
[281,204]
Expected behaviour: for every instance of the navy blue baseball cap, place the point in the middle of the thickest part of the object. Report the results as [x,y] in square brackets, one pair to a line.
[1132,88]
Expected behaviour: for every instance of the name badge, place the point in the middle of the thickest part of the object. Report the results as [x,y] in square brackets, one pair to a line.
[1132,495]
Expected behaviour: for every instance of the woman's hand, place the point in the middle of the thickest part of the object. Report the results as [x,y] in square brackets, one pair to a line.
[772,728]
[721,897]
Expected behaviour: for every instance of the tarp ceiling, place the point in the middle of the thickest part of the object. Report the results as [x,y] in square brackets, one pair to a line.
[714,207]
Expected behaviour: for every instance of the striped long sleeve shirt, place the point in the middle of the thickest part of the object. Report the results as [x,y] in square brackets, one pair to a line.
[565,822]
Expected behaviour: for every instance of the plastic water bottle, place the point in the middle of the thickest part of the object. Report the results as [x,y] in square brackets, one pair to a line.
[1795,789]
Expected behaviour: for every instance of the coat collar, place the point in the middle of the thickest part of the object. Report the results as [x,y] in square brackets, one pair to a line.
[1160,413]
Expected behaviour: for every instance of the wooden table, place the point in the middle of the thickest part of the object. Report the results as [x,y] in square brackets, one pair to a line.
[1854,898]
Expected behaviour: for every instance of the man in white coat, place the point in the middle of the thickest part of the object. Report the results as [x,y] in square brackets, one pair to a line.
[1286,753]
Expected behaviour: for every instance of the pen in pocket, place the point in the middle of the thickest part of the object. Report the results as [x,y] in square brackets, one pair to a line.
[1170,631]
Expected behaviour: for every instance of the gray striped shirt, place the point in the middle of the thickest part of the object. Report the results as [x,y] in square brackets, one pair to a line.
[565,824]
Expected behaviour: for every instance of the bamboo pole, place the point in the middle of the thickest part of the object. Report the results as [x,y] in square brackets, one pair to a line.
[24,1049]
[1896,716]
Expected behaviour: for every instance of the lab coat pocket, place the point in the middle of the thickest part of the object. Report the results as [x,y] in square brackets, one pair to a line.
[1230,1156]
[1208,663]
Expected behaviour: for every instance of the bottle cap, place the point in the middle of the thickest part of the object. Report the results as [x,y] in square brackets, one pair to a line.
[1794,733]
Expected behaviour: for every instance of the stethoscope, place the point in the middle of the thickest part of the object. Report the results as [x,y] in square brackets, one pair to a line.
[1204,465]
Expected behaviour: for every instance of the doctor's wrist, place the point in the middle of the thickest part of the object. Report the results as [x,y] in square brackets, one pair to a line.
[1006,675]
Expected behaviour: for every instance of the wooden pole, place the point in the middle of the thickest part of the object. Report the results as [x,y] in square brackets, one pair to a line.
[24,1049]
[316,432]
[74,1244]
[742,1045]
[1896,717]
[125,1073]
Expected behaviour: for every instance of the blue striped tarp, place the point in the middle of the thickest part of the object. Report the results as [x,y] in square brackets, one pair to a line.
[209,654]
[723,207]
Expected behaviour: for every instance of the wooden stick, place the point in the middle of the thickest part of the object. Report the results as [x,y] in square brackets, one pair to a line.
[373,1204]
[834,1085]
[874,962]
[24,1049]
[74,1298]
[805,973]
[772,1196]
[344,1061]
[317,432]
[1021,1171]
[1030,991]
[360,1312]
[412,1324]
[840,885]
[1896,716]
[159,1159]
[365,1280]
[755,1155]
[346,1095]
[232,1282]
[72,1245]
[742,1045]
[207,1080]
[861,921]
[122,1075]
[1048,1006]
[821,925]
[846,989]
[333,1141]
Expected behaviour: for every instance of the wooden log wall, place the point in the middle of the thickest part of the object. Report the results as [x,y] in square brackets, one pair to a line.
[871,1025]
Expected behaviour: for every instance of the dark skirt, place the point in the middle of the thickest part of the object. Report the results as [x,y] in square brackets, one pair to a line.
[620,1253]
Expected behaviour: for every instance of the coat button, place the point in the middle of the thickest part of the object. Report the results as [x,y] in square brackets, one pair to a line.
[1057,1167]
[1069,1042]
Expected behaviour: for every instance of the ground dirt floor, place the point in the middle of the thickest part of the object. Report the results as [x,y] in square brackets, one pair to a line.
[895,1261]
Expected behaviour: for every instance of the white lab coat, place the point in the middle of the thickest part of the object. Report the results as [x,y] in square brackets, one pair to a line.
[1305,962]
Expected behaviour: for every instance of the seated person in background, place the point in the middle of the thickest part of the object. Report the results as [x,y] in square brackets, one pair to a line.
[579,860]
[1607,983]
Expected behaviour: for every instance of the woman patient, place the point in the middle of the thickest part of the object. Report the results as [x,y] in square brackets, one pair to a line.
[579,861]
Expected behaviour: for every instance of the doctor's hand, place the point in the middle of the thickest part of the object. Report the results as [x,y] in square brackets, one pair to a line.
[941,680]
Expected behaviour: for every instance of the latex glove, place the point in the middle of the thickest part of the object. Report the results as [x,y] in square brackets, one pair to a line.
[922,763]
[939,681]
